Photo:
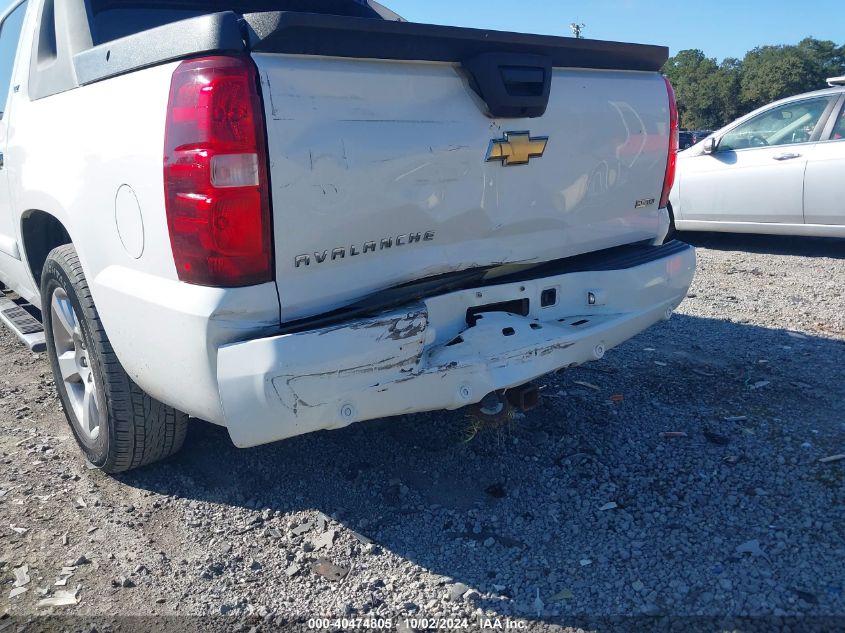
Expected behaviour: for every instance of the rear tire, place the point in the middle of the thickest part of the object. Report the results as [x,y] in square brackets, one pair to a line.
[116,424]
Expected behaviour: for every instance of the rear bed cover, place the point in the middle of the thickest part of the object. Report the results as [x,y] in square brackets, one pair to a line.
[336,36]
[295,33]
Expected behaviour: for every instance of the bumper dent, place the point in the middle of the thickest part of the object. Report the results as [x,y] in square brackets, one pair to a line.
[426,358]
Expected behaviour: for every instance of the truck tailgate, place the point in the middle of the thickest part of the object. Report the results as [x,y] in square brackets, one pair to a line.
[385,171]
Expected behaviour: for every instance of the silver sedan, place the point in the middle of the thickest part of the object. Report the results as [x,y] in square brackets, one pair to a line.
[778,170]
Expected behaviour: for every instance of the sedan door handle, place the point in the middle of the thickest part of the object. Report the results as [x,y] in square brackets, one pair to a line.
[789,156]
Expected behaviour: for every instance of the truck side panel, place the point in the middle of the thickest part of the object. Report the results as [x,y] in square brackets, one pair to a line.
[69,156]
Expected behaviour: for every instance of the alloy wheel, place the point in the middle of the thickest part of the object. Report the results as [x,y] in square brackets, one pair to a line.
[75,365]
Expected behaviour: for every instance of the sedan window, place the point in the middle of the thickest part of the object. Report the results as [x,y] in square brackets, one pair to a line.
[784,125]
[839,129]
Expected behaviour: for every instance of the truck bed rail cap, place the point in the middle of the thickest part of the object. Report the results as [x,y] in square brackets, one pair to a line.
[206,34]
[336,36]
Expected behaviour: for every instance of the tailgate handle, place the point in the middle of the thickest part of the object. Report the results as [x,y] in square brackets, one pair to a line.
[512,85]
[522,81]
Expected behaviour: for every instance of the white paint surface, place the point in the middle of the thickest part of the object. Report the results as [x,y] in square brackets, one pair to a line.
[129,221]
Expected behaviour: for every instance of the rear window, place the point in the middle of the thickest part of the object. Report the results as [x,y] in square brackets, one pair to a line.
[114,19]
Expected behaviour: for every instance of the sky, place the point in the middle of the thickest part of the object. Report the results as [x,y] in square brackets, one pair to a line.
[721,28]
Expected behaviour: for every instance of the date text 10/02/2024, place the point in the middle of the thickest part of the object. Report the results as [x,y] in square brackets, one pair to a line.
[419,624]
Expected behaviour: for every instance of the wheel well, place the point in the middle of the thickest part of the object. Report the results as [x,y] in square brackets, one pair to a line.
[41,233]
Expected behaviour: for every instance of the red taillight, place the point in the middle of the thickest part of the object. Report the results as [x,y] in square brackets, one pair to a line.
[215,174]
[671,160]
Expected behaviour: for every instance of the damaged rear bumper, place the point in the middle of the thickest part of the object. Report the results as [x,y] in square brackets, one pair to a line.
[426,357]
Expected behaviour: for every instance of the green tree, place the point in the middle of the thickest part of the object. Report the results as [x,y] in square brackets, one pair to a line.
[711,95]
[825,58]
[727,87]
[691,74]
[773,72]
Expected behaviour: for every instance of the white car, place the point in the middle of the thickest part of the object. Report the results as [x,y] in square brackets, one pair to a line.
[777,170]
[284,221]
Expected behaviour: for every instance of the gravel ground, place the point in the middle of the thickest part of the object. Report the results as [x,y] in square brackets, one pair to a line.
[578,509]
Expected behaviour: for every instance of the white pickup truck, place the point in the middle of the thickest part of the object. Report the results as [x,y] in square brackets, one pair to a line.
[282,216]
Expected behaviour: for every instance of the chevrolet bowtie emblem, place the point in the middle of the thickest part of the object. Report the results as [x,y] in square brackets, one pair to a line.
[516,148]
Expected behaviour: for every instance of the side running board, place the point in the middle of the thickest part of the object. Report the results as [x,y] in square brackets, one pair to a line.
[25,326]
